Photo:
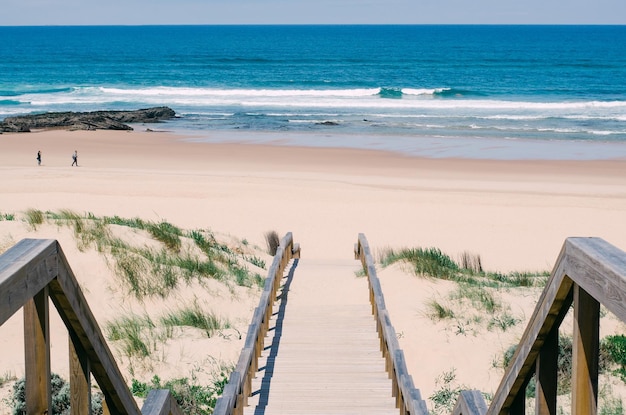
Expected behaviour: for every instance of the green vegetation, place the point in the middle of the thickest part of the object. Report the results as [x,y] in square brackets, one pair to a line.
[195,317]
[448,393]
[476,288]
[431,262]
[152,272]
[564,367]
[34,217]
[7,216]
[192,398]
[439,311]
[60,397]
[129,332]
[613,355]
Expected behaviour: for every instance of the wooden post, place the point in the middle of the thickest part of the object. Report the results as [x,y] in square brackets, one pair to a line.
[80,379]
[37,354]
[585,351]
[546,375]
[518,406]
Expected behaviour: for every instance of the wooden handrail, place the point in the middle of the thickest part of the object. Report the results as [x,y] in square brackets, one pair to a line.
[408,398]
[31,272]
[587,273]
[239,387]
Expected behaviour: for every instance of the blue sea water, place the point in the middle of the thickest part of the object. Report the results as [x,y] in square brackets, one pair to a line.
[404,83]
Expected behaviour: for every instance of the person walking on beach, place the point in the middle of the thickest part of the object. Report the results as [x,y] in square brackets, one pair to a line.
[39,158]
[75,158]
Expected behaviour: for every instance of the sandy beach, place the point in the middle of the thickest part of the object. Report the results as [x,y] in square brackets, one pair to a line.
[514,214]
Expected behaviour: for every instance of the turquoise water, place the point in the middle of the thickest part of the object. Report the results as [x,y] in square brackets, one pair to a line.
[530,83]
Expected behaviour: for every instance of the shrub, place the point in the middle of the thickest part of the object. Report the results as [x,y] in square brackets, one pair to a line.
[60,397]
[191,397]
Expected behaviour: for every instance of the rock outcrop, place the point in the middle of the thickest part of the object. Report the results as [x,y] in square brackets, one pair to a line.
[96,120]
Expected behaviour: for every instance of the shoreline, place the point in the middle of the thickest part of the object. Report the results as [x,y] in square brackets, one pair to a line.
[472,148]
[516,213]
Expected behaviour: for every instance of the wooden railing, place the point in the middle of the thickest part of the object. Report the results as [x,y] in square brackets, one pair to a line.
[588,272]
[235,395]
[408,398]
[32,272]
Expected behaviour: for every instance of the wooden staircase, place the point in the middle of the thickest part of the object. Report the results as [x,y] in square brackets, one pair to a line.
[322,353]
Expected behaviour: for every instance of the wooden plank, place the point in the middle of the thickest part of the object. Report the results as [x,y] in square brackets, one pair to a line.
[544,318]
[470,402]
[585,352]
[25,269]
[160,402]
[546,375]
[600,269]
[80,379]
[77,316]
[37,354]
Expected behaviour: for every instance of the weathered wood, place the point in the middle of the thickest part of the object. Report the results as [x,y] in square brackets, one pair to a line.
[543,320]
[160,402]
[25,269]
[470,403]
[585,352]
[77,316]
[600,269]
[546,375]
[37,354]
[237,390]
[80,379]
[395,364]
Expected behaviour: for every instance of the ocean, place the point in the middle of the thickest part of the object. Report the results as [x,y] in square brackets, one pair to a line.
[404,88]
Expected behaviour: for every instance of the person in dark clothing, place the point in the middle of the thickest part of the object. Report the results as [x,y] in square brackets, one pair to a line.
[75,158]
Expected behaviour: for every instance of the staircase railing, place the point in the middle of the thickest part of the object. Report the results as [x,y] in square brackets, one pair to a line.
[408,398]
[235,395]
[588,272]
[33,272]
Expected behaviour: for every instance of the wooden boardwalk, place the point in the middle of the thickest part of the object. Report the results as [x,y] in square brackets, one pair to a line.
[322,353]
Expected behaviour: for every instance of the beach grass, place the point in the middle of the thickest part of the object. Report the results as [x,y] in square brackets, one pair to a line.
[128,331]
[148,271]
[432,262]
[194,316]
[34,217]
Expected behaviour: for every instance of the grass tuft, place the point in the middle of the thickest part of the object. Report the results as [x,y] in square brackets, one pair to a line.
[438,311]
[195,317]
[34,217]
[129,331]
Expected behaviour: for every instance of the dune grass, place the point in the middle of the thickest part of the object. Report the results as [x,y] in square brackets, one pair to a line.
[194,316]
[432,262]
[34,217]
[476,289]
[128,331]
[148,272]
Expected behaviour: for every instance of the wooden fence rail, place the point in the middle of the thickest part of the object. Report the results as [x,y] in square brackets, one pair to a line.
[588,272]
[235,395]
[33,272]
[408,398]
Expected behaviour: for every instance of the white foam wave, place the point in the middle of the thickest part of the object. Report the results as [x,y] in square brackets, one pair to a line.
[412,91]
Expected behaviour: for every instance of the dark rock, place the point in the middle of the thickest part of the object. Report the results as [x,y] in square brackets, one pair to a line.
[328,123]
[97,120]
